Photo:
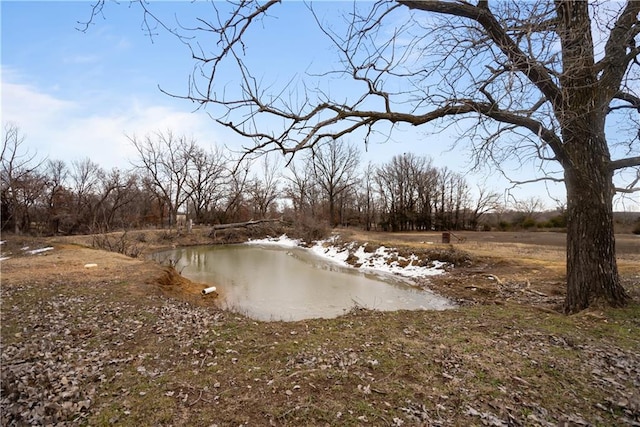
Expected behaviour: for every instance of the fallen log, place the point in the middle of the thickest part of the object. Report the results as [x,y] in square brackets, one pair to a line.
[243,224]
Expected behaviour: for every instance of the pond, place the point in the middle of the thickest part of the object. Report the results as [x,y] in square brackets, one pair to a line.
[272,283]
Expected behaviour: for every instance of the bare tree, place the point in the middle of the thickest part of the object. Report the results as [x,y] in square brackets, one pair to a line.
[298,189]
[117,191]
[452,199]
[264,189]
[58,203]
[366,198]
[426,178]
[234,201]
[406,185]
[206,181]
[531,207]
[537,80]
[486,202]
[165,159]
[85,179]
[20,181]
[335,170]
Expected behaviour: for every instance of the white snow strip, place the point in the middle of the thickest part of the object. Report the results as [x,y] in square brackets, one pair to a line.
[282,241]
[2,242]
[4,258]
[37,251]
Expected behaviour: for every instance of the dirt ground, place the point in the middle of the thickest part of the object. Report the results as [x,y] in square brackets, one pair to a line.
[94,337]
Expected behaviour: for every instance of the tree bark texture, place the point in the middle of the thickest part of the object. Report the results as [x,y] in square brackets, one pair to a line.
[592,272]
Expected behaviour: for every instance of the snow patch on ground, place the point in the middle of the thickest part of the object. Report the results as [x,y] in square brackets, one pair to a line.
[5,256]
[282,241]
[37,251]
[408,267]
[330,252]
[382,260]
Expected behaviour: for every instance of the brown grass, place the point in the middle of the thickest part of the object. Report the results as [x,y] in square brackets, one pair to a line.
[130,342]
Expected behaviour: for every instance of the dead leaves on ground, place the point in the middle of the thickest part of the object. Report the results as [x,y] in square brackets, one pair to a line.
[95,357]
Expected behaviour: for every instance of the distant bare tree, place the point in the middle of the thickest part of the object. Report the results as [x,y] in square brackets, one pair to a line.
[58,203]
[84,178]
[335,170]
[406,185]
[528,210]
[116,193]
[234,203]
[366,197]
[20,182]
[452,200]
[264,189]
[206,181]
[487,201]
[298,189]
[531,206]
[165,159]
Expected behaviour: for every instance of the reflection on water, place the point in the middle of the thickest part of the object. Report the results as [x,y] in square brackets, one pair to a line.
[292,284]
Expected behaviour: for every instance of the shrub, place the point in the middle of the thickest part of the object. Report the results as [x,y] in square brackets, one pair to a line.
[310,229]
[167,235]
[449,255]
[558,221]
[121,244]
[504,226]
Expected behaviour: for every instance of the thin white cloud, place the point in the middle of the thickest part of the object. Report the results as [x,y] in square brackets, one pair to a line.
[26,104]
[74,129]
[82,59]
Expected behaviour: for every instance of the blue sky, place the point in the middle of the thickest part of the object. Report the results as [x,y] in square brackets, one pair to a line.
[75,94]
[78,94]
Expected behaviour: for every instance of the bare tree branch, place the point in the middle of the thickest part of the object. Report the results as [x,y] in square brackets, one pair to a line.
[631,187]
[624,163]
[538,75]
[632,100]
[616,59]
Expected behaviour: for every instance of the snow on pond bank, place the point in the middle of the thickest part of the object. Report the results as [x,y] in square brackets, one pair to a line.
[383,260]
[4,257]
[282,241]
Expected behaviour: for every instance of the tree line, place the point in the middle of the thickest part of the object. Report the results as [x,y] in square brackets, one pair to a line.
[173,178]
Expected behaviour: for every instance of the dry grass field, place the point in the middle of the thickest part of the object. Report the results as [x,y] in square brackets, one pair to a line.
[128,342]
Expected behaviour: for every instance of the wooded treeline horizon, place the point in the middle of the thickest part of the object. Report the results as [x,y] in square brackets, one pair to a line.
[174,179]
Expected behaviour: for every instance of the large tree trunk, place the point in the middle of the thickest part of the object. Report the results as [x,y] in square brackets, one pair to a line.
[592,272]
